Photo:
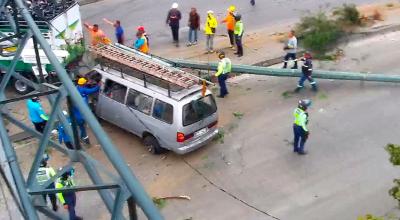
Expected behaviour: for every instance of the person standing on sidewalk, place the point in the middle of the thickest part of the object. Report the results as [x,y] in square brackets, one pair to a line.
[173,18]
[210,29]
[119,31]
[239,35]
[306,70]
[194,26]
[224,68]
[141,43]
[36,114]
[300,129]
[291,50]
[230,24]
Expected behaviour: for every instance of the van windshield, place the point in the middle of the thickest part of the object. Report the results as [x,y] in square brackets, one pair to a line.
[199,109]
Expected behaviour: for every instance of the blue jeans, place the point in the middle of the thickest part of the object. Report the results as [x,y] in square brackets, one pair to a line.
[70,200]
[305,77]
[223,91]
[192,34]
[82,128]
[299,138]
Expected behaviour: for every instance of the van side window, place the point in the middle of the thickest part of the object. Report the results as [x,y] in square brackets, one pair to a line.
[163,111]
[115,91]
[139,101]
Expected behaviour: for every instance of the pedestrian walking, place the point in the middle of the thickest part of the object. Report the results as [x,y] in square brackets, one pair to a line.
[300,130]
[63,137]
[210,29]
[173,18]
[253,2]
[230,24]
[291,50]
[44,174]
[224,68]
[84,90]
[194,26]
[97,36]
[36,114]
[119,31]
[68,199]
[141,42]
[306,70]
[239,35]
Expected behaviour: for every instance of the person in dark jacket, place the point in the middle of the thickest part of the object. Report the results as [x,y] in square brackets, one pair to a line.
[173,18]
[306,69]
[194,26]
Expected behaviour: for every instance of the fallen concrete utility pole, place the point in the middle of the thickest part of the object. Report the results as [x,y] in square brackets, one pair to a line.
[267,71]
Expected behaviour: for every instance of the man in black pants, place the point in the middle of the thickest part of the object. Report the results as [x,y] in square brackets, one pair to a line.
[174,15]
[36,114]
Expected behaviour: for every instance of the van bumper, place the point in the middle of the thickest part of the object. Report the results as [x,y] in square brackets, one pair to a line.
[193,145]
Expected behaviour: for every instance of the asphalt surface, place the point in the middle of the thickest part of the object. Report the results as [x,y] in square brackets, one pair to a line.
[152,14]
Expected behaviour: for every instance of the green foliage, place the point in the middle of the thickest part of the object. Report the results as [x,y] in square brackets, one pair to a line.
[369,217]
[220,136]
[395,190]
[75,52]
[238,115]
[394,152]
[347,15]
[318,32]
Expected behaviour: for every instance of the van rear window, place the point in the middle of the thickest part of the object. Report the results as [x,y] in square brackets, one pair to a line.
[199,109]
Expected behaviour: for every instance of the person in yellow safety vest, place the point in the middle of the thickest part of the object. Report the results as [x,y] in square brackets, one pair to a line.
[238,35]
[224,68]
[68,199]
[210,29]
[43,175]
[141,43]
[300,129]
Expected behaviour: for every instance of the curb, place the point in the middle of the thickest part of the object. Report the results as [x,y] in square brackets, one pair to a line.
[86,2]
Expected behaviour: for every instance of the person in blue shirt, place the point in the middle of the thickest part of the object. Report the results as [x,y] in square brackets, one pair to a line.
[119,31]
[36,114]
[85,91]
[62,134]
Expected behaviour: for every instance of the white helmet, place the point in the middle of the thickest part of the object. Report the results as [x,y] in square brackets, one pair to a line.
[175,5]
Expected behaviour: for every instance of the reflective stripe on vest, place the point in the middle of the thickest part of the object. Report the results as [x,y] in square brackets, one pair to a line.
[299,117]
[43,175]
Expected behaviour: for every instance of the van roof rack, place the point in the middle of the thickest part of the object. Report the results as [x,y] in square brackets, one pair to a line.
[144,63]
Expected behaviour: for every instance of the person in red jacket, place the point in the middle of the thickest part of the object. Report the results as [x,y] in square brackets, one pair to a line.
[194,26]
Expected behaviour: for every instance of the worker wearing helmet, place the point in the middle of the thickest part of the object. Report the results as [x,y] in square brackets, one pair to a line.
[230,24]
[239,34]
[224,68]
[44,174]
[68,199]
[36,114]
[173,18]
[209,30]
[141,42]
[300,129]
[85,91]
[306,70]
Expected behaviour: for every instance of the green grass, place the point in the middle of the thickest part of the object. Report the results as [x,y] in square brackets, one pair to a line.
[287,94]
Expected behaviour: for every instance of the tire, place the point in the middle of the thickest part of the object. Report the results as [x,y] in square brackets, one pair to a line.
[20,87]
[152,145]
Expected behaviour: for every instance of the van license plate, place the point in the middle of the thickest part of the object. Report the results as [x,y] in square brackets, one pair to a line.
[200,132]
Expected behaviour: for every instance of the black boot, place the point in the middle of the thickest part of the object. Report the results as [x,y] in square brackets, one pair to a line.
[284,65]
[295,65]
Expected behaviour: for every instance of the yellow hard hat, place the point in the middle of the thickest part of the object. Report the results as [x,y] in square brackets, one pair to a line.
[82,81]
[232,8]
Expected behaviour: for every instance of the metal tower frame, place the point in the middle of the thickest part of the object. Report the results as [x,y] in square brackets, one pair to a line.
[124,187]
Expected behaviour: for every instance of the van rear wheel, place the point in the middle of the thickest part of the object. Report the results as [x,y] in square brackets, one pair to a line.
[152,145]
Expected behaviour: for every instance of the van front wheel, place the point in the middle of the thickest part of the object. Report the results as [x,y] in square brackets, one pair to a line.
[152,145]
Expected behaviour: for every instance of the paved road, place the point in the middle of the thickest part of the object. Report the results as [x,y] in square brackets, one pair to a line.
[152,14]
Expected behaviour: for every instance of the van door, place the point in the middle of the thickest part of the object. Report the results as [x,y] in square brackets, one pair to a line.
[111,102]
[137,112]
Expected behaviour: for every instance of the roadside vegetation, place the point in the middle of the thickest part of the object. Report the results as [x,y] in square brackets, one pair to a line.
[321,32]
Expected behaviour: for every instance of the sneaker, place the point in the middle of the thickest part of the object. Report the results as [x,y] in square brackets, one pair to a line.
[86,140]
[194,43]
[294,68]
[189,44]
[220,96]
[302,152]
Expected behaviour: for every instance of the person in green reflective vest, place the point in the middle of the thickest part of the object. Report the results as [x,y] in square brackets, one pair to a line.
[300,129]
[224,68]
[68,199]
[44,174]
[239,34]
